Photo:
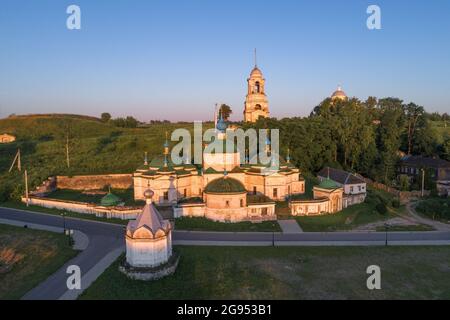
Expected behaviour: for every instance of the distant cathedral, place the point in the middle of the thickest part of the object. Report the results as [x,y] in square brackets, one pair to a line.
[256,104]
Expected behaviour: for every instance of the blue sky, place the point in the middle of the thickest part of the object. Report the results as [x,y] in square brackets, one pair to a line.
[176,59]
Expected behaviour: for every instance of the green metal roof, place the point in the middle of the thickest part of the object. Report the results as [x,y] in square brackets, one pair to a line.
[210,170]
[110,200]
[328,184]
[225,185]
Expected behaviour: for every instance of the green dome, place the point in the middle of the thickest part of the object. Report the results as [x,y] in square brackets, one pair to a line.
[328,184]
[225,185]
[110,200]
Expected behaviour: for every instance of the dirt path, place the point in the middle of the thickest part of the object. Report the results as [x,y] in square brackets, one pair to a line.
[398,221]
[440,226]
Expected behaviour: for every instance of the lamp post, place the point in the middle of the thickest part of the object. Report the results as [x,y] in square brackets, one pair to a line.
[386,227]
[423,180]
[63,215]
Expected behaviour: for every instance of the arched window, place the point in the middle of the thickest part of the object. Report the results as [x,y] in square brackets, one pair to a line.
[258,107]
[257,87]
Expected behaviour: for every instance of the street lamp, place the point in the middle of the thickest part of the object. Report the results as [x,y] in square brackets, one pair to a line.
[63,215]
[386,227]
[423,180]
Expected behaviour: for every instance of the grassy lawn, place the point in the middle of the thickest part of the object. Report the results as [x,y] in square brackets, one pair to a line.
[28,257]
[353,216]
[127,196]
[418,227]
[22,206]
[289,273]
[203,224]
[347,219]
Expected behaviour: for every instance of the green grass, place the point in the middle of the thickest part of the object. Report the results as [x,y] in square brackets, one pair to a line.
[203,224]
[353,216]
[399,228]
[22,206]
[95,148]
[347,219]
[37,255]
[288,273]
[126,195]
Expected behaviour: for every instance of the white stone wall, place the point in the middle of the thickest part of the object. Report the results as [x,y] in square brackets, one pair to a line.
[189,210]
[306,208]
[148,252]
[348,188]
[248,213]
[221,161]
[85,208]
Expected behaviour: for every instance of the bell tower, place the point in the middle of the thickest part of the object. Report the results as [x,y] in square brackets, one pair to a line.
[256,104]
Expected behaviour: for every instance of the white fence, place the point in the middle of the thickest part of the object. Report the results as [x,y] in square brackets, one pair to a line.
[124,213]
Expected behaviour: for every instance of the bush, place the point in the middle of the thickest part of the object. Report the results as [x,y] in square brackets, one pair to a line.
[381,208]
[5,192]
[435,208]
[396,203]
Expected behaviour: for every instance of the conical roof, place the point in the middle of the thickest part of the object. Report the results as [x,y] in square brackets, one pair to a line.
[256,73]
[110,200]
[149,224]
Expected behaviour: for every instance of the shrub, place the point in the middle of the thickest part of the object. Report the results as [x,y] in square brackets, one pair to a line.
[5,191]
[381,208]
[396,203]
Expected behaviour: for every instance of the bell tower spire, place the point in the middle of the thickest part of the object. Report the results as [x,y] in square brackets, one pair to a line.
[256,104]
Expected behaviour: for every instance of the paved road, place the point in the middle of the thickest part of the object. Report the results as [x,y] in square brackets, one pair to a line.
[105,238]
[310,238]
[290,226]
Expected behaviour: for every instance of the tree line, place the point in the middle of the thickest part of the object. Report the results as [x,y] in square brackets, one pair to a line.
[367,137]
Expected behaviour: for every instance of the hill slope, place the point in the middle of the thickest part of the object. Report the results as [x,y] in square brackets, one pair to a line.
[53,126]
[95,147]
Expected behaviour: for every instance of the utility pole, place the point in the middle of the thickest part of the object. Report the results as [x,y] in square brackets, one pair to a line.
[19,163]
[26,187]
[423,180]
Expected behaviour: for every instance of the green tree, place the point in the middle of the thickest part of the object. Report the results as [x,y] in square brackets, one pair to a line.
[412,112]
[105,117]
[404,182]
[388,135]
[226,111]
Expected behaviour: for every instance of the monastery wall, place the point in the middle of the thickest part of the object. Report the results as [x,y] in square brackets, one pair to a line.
[124,213]
[92,182]
[189,210]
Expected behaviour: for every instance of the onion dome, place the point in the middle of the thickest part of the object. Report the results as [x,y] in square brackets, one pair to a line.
[221,124]
[328,184]
[110,200]
[149,224]
[225,185]
[339,94]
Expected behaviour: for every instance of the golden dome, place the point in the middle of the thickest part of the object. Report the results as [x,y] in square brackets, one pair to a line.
[339,94]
